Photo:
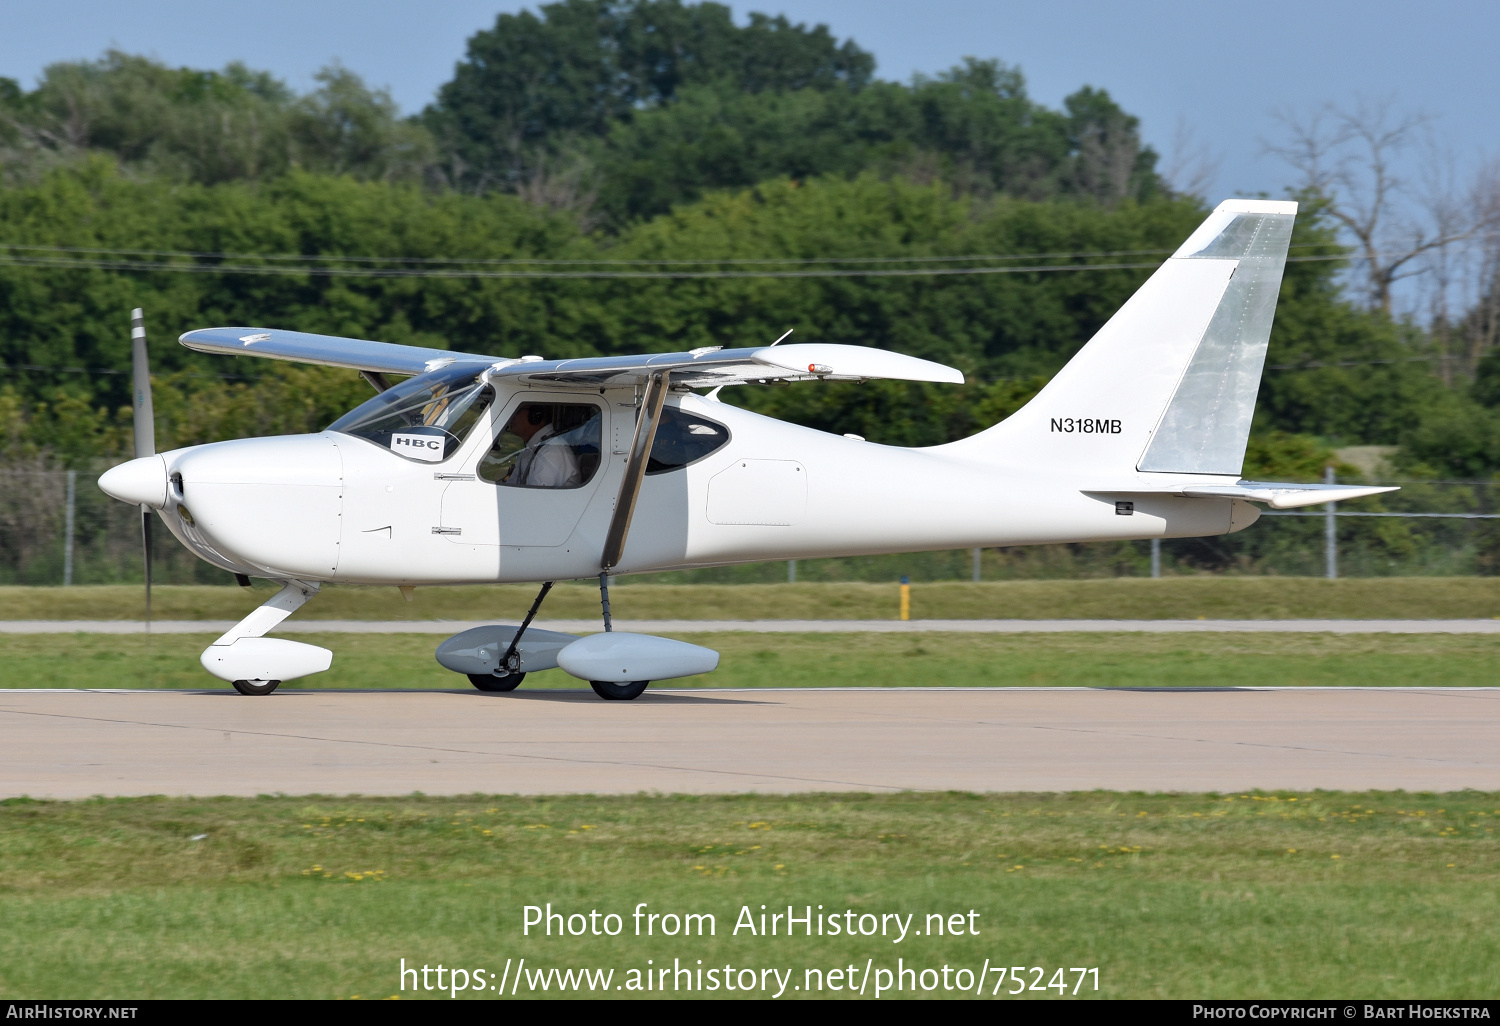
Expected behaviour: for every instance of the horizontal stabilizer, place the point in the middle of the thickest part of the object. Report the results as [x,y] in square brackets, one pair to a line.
[698,368]
[1274,494]
[1285,496]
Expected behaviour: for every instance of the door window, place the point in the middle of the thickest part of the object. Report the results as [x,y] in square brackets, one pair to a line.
[545,445]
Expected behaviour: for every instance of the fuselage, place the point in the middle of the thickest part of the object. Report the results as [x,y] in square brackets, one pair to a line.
[334,506]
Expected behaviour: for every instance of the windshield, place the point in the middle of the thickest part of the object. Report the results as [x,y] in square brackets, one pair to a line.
[424,418]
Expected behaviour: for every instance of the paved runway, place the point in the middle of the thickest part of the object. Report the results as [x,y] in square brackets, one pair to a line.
[72,744]
[780,626]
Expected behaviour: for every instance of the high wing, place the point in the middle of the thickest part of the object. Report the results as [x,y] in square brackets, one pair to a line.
[328,350]
[698,368]
[709,367]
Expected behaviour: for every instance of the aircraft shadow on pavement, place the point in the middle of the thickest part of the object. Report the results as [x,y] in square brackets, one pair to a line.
[562,695]
[1169,690]
[571,695]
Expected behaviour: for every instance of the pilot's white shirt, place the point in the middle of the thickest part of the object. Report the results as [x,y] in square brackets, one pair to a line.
[547,462]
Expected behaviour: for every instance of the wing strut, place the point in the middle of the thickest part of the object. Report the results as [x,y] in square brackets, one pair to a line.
[635,469]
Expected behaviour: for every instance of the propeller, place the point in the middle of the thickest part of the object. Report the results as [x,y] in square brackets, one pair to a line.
[145,429]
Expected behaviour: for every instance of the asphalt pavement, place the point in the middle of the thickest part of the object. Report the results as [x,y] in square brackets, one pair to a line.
[74,744]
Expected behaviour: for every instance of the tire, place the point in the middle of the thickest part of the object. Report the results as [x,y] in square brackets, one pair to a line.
[496,682]
[255,687]
[626,691]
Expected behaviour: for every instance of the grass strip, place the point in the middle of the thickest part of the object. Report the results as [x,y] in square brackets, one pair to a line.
[827,660]
[1376,895]
[1172,598]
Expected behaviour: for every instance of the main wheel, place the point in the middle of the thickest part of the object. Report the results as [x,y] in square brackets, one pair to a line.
[255,687]
[624,691]
[496,682]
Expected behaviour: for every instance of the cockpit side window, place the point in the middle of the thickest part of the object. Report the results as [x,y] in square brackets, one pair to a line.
[425,418]
[683,438]
[546,445]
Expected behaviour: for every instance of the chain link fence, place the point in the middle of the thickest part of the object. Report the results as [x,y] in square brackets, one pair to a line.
[45,539]
[1428,529]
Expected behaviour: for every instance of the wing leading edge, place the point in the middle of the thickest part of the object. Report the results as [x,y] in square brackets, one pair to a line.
[697,368]
[327,350]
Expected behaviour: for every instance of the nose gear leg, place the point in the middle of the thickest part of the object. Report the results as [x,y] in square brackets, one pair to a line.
[255,664]
[271,612]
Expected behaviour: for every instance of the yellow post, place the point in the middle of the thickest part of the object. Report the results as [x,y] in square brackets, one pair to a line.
[905,598]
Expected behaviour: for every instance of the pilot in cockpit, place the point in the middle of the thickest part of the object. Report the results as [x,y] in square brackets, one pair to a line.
[547,460]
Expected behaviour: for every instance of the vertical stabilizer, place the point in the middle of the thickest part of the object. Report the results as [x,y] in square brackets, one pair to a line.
[1169,383]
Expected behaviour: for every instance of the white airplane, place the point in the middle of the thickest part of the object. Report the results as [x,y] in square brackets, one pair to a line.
[477,470]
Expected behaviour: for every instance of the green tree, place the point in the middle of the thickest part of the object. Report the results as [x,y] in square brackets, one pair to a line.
[1486,387]
[1282,456]
[1334,369]
[54,318]
[1454,437]
[206,126]
[343,127]
[1109,162]
[584,65]
[1008,332]
[972,127]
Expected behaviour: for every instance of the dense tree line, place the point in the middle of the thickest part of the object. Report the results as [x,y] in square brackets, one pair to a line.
[606,133]
[612,109]
[204,126]
[1338,372]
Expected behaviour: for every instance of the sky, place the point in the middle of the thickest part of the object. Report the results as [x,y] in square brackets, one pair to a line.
[1218,70]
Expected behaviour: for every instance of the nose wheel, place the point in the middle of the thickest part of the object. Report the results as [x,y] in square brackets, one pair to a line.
[496,681]
[256,687]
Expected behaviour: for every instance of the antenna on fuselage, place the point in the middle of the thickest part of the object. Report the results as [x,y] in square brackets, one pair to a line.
[782,339]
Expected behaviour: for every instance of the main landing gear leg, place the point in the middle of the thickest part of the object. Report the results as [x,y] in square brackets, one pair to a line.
[509,675]
[608,690]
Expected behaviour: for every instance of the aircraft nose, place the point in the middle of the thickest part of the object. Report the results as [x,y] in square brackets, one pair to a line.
[141,482]
[275,502]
